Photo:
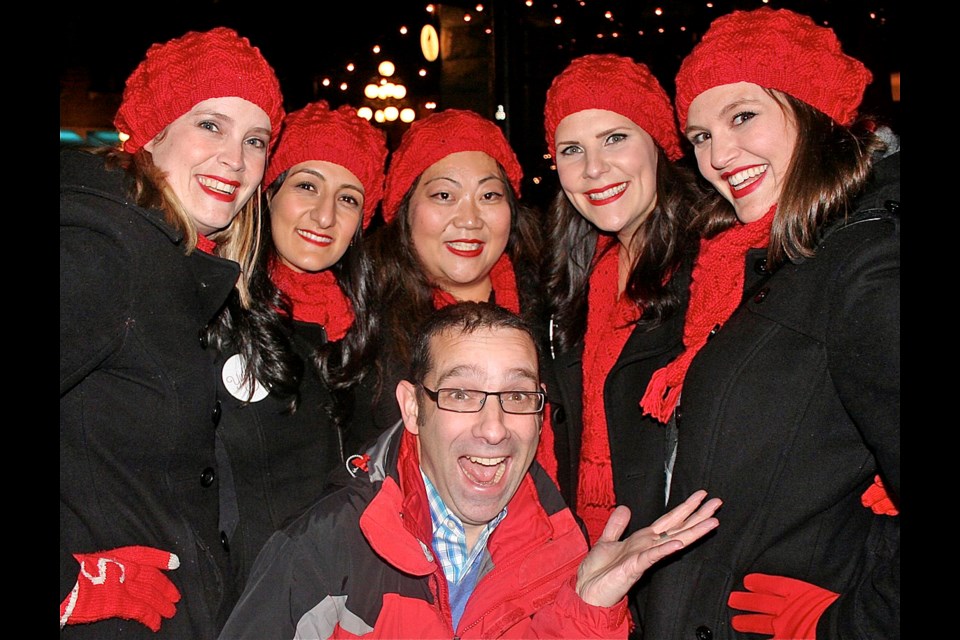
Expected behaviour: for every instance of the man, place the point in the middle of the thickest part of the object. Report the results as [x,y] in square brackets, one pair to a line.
[452,529]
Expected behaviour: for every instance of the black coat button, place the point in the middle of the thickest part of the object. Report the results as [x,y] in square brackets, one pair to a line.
[558,415]
[224,542]
[760,266]
[207,477]
[713,332]
[217,412]
[704,633]
[761,295]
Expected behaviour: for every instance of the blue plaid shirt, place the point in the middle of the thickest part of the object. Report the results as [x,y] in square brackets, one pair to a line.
[449,538]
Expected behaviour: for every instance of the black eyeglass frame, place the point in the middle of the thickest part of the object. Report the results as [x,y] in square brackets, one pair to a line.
[435,396]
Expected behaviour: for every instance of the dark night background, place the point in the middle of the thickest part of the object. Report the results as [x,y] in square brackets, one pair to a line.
[506,55]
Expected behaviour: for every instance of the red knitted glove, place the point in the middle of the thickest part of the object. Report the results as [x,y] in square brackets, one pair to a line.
[122,583]
[784,607]
[877,498]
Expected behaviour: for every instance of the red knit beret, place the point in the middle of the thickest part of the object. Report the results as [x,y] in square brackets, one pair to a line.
[434,138]
[613,83]
[178,74]
[341,137]
[775,49]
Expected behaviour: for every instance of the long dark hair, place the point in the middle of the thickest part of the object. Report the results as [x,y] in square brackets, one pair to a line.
[828,169]
[661,244]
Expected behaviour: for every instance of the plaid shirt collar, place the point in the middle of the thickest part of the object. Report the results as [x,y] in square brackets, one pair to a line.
[450,539]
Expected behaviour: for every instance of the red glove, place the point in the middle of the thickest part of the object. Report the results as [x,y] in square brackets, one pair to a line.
[877,498]
[784,607]
[122,583]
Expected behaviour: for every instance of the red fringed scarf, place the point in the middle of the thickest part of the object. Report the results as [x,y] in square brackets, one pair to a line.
[316,298]
[610,319]
[206,245]
[716,289]
[503,281]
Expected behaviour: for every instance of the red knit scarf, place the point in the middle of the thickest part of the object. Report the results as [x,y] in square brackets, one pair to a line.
[716,289]
[610,319]
[316,298]
[503,281]
[206,245]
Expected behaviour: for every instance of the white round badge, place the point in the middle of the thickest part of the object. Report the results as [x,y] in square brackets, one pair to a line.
[233,381]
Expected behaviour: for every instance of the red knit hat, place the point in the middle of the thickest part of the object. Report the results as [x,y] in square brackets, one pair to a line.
[613,83]
[775,49]
[434,138]
[182,72]
[341,137]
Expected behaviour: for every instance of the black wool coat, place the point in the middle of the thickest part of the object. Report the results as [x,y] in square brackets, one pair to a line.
[278,461]
[138,397]
[787,414]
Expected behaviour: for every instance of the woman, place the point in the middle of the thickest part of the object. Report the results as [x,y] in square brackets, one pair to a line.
[325,181]
[616,280]
[454,231]
[793,406]
[138,397]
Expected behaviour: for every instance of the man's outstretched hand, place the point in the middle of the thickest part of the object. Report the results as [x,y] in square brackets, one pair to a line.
[613,566]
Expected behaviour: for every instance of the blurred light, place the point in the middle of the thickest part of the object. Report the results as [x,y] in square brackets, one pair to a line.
[536,180]
[403,30]
[371,91]
[344,86]
[430,105]
[658,11]
[608,15]
[70,137]
[558,20]
[376,48]
[467,17]
[479,8]
[422,73]
[365,112]
[399,91]
[386,68]
[378,116]
[325,82]
[615,34]
[529,3]
[488,31]
[431,8]
[408,115]
[391,113]
[500,114]
[383,92]
[350,66]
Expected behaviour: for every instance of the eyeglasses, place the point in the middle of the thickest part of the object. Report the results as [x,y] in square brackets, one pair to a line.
[472,400]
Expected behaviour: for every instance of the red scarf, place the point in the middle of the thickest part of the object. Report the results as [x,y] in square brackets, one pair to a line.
[316,298]
[610,318]
[206,245]
[716,289]
[503,281]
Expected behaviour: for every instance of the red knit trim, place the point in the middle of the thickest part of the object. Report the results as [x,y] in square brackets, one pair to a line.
[316,298]
[716,289]
[610,321]
[206,245]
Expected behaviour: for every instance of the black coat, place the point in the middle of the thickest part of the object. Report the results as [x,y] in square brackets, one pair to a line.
[138,397]
[787,414]
[278,461]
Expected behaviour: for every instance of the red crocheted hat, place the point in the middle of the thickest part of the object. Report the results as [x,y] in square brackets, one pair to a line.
[341,137]
[178,74]
[434,138]
[776,49]
[613,83]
